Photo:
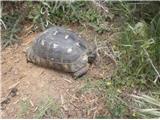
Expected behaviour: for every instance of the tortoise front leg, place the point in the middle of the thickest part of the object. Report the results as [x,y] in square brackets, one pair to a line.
[81,72]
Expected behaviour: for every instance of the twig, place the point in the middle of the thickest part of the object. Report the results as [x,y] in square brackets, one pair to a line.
[74,105]
[151,62]
[108,47]
[62,102]
[99,5]
[16,101]
[35,109]
[4,25]
[29,28]
[31,103]
[14,85]
[67,80]
[72,96]
[109,55]
[94,115]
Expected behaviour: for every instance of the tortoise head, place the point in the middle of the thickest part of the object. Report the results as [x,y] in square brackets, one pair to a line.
[92,53]
[92,57]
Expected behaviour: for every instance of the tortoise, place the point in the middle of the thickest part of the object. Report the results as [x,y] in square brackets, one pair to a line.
[62,49]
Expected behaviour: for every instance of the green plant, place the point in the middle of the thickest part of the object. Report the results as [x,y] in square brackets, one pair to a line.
[139,45]
[62,12]
[115,104]
[135,44]
[24,108]
[47,109]
[146,106]
[45,14]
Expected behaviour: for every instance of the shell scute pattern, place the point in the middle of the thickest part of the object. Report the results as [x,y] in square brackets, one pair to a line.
[60,49]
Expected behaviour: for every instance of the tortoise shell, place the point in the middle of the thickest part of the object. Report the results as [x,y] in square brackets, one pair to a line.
[61,49]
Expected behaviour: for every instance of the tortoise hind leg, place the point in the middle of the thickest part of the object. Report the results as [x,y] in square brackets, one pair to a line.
[81,72]
[31,57]
[28,53]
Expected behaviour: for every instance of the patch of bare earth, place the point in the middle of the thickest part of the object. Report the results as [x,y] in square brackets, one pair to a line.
[22,81]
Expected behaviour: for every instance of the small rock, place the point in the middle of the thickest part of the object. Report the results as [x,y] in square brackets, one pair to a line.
[2,62]
[4,73]
[16,61]
[16,102]
[16,72]
[13,92]
[5,101]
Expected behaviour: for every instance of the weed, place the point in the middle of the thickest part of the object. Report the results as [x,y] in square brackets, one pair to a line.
[12,18]
[114,104]
[94,86]
[138,63]
[47,109]
[133,60]
[24,109]
[45,14]
[146,106]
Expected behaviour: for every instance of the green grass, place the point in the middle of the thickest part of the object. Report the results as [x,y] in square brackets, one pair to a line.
[47,109]
[134,62]
[114,104]
[147,106]
[45,14]
[24,109]
[139,48]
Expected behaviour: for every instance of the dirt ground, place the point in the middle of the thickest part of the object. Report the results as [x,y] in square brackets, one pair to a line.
[29,85]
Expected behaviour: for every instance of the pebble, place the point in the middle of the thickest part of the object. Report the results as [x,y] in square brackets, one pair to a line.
[16,61]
